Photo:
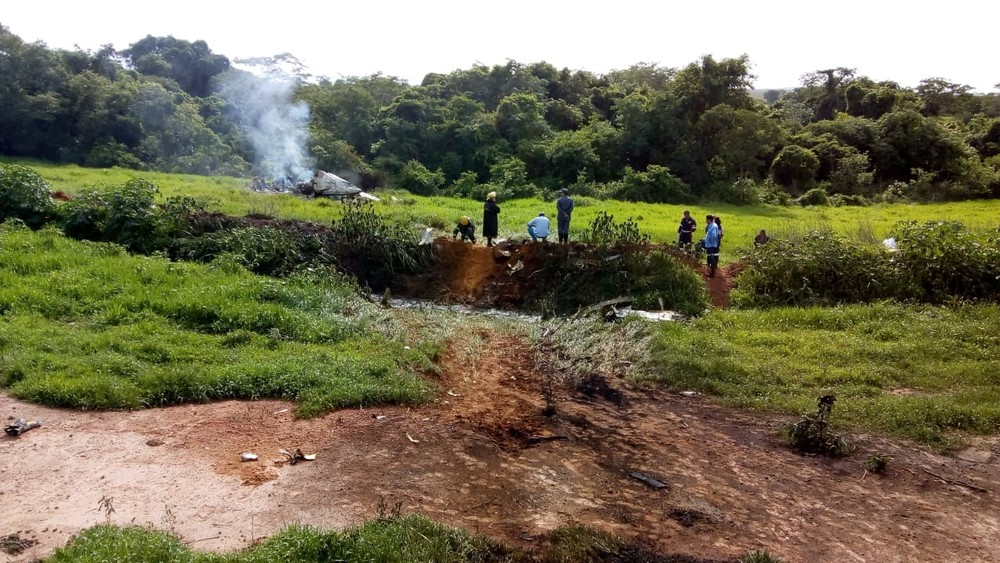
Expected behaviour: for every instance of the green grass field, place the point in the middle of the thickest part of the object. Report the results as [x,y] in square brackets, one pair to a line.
[925,373]
[741,223]
[84,325]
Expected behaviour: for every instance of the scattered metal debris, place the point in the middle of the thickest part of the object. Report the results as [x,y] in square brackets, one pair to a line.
[648,480]
[20,426]
[297,456]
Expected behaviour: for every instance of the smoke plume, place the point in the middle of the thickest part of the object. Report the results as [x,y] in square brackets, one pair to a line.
[272,121]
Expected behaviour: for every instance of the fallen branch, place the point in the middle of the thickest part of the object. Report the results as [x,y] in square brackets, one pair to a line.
[956,481]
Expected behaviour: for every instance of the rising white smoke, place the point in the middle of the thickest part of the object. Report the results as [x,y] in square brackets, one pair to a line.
[276,125]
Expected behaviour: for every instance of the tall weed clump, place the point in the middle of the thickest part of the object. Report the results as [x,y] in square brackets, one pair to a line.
[618,263]
[364,244]
[24,195]
[822,269]
[124,214]
[942,261]
[935,262]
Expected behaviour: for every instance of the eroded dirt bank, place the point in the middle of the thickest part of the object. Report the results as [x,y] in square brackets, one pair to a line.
[484,458]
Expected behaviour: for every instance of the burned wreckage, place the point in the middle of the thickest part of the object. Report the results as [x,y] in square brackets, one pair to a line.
[322,184]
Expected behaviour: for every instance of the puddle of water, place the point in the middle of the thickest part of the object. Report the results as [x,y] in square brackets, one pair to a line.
[401,303]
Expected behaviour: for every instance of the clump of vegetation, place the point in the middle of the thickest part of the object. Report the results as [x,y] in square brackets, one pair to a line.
[935,262]
[124,214]
[812,434]
[24,195]
[605,231]
[620,264]
[941,261]
[877,463]
[822,269]
[758,557]
[365,244]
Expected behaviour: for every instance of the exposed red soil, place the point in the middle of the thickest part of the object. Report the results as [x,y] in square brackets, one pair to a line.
[479,458]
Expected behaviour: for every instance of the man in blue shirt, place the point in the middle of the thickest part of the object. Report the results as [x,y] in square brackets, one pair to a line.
[538,228]
[712,245]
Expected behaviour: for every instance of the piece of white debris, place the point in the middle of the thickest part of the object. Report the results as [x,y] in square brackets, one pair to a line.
[380,416]
[690,393]
[453,394]
[281,411]
[410,438]
[247,456]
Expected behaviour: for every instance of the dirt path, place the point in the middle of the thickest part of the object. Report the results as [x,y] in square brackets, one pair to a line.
[484,458]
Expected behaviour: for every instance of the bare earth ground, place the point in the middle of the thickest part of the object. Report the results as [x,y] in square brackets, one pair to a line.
[484,458]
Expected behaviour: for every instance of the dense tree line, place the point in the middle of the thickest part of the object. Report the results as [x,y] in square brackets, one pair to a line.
[642,133]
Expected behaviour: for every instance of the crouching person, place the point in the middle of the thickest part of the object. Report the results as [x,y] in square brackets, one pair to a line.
[466,229]
[538,228]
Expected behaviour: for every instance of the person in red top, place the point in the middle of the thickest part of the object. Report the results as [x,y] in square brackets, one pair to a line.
[686,230]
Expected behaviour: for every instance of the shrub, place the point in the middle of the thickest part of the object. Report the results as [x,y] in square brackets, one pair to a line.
[362,243]
[24,195]
[657,184]
[124,214]
[812,434]
[938,261]
[815,196]
[262,250]
[822,269]
[604,231]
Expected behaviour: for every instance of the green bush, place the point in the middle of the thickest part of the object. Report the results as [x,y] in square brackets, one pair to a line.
[123,214]
[262,250]
[936,262]
[24,195]
[815,196]
[823,269]
[940,261]
[365,245]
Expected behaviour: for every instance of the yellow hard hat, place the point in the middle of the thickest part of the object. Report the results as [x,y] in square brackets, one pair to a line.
[464,220]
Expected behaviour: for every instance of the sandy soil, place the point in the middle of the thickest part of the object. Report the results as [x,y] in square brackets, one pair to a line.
[484,458]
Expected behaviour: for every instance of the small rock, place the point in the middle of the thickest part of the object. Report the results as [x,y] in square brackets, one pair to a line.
[153,442]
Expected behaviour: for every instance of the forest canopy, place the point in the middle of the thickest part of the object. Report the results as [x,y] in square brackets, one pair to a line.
[645,133]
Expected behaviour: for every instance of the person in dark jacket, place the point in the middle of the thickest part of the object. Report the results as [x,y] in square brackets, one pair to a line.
[490,220]
[718,223]
[686,230]
[564,212]
[466,229]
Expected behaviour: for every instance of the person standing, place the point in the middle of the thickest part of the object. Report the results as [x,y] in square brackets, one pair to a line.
[490,220]
[686,230]
[564,212]
[538,228]
[712,245]
[718,223]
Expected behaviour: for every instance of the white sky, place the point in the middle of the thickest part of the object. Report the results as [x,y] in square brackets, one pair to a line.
[882,39]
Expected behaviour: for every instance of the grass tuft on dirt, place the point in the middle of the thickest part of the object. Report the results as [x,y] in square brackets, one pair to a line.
[84,325]
[925,373]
